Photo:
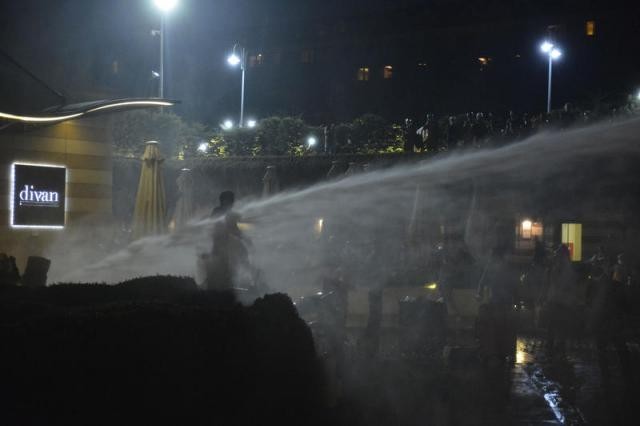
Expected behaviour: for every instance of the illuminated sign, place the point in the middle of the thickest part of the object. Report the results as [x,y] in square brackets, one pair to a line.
[37,197]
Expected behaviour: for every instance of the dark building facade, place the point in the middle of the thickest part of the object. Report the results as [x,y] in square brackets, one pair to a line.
[420,57]
[331,60]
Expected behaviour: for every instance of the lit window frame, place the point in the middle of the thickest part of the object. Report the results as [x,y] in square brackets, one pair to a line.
[363,74]
[590,28]
[387,72]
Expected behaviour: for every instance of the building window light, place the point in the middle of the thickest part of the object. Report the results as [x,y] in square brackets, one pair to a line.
[363,74]
[590,28]
[530,229]
[572,238]
[484,62]
[525,229]
[387,72]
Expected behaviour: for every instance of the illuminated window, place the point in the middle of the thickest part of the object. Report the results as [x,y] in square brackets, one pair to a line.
[363,74]
[307,56]
[537,229]
[590,28]
[387,72]
[572,237]
[526,233]
[115,67]
[529,229]
[526,226]
[484,62]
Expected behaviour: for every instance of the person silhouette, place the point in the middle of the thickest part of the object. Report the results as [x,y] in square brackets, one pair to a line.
[228,254]
[227,198]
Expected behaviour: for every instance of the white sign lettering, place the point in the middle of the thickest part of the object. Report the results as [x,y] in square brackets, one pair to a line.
[30,196]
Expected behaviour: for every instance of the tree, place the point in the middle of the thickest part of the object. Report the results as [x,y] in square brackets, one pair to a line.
[239,142]
[371,134]
[133,128]
[281,136]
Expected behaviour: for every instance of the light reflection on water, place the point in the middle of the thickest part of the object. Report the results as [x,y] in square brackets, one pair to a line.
[522,355]
[565,412]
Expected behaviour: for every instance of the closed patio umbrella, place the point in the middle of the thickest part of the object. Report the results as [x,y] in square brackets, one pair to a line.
[149,216]
[185,205]
[270,184]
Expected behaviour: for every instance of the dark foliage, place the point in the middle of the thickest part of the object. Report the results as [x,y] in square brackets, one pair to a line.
[154,351]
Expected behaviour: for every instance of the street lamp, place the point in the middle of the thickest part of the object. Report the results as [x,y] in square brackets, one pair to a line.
[553,53]
[227,125]
[234,60]
[312,141]
[165,6]
[251,123]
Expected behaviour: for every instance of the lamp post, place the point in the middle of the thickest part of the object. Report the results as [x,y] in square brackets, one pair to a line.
[235,60]
[553,53]
[312,141]
[165,7]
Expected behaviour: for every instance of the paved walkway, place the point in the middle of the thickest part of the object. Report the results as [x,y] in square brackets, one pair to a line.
[572,386]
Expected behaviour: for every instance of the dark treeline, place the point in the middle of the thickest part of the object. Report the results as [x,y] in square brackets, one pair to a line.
[369,134]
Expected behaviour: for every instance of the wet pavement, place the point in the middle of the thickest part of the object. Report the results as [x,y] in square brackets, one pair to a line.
[458,389]
[403,378]
[572,386]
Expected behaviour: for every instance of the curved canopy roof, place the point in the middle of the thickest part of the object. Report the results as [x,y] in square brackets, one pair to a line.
[69,112]
[29,100]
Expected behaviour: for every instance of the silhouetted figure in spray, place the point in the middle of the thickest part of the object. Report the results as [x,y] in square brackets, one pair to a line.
[228,254]
[539,253]
[611,311]
[227,198]
[536,275]
[455,263]
[560,301]
[411,138]
[494,326]
[599,271]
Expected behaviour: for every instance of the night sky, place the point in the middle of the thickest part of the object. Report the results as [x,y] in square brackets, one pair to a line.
[73,44]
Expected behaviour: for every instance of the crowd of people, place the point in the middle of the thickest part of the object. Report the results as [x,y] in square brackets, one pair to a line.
[479,129]
[571,301]
[442,132]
